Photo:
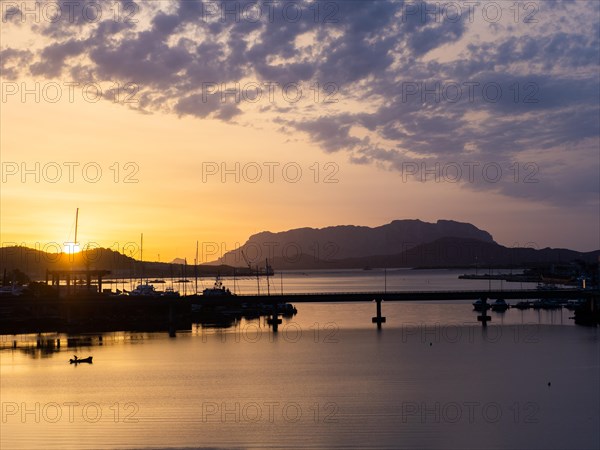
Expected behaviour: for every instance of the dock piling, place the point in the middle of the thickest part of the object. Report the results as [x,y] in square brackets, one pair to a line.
[483,317]
[274,320]
[379,319]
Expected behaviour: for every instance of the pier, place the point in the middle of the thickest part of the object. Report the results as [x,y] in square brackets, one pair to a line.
[404,296]
[71,278]
[89,311]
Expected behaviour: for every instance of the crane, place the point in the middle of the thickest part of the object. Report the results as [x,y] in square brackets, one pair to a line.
[246,259]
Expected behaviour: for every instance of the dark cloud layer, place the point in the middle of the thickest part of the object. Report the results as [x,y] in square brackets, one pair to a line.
[532,91]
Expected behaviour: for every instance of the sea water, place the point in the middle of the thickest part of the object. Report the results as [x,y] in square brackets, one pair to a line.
[431,378]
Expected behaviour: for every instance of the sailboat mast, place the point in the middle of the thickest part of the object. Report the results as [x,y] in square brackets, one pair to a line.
[267,273]
[142,258]
[76,223]
[257,280]
[196,268]
[184,267]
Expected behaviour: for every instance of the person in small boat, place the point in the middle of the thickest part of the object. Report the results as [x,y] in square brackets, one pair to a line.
[75,357]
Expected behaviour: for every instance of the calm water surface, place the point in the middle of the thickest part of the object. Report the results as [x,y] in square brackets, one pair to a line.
[340,281]
[432,378]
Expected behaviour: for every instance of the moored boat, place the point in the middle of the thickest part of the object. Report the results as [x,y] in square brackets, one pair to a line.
[170,293]
[144,290]
[500,305]
[479,305]
[218,290]
[286,309]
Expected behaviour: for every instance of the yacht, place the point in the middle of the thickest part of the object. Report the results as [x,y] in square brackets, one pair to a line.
[144,290]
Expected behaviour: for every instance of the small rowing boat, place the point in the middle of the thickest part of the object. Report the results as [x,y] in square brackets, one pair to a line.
[77,360]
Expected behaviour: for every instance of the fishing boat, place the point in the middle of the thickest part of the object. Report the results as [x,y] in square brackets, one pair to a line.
[218,290]
[77,360]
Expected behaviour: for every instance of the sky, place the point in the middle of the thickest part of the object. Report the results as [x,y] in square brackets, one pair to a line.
[211,121]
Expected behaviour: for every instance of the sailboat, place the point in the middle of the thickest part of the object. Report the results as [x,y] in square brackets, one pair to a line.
[269,272]
[146,289]
[74,246]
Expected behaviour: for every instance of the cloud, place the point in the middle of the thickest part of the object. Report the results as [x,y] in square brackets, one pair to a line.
[12,61]
[53,58]
[409,86]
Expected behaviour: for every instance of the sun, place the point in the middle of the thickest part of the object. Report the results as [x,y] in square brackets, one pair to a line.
[72,247]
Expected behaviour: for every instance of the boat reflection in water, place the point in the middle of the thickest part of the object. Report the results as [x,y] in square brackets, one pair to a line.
[226,316]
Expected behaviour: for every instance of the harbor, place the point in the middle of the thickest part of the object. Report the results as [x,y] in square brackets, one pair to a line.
[88,307]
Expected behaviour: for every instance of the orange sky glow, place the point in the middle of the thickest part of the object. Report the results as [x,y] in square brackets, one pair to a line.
[180,178]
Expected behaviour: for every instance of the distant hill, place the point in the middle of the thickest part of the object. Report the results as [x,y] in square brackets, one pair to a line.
[456,252]
[34,264]
[401,243]
[303,245]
